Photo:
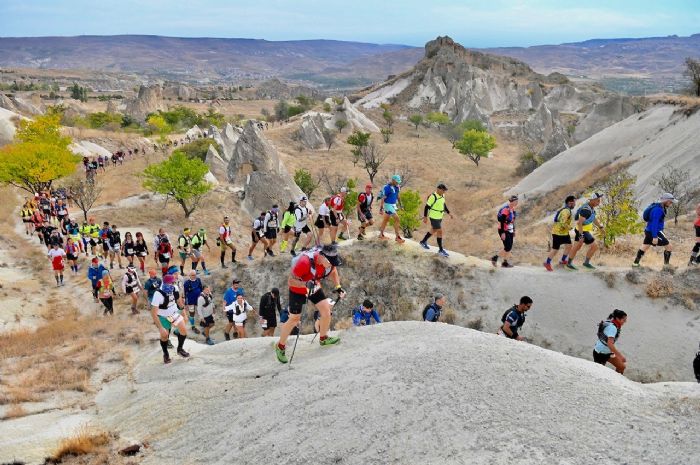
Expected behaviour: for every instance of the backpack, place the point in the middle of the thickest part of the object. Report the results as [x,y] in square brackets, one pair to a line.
[429,306]
[502,217]
[556,216]
[646,215]
[601,332]
[166,298]
[312,259]
[505,315]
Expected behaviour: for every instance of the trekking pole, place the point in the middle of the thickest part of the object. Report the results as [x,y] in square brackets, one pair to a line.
[315,234]
[301,325]
[316,334]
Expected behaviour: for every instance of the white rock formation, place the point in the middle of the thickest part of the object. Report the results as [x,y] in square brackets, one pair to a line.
[7,125]
[355,118]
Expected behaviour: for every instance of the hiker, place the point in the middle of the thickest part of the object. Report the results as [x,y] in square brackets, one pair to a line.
[91,233]
[26,214]
[337,207]
[57,256]
[305,285]
[695,253]
[364,211]
[225,241]
[237,314]
[563,222]
[654,216]
[192,288]
[106,293]
[94,274]
[128,247]
[164,252]
[152,283]
[323,220]
[184,242]
[141,251]
[115,244]
[73,231]
[257,235]
[157,239]
[131,286]
[433,310]
[230,297]
[435,209]
[165,311]
[205,310]
[362,315]
[506,231]
[267,311]
[514,318]
[302,215]
[199,240]
[696,365]
[388,206]
[271,228]
[288,221]
[585,218]
[608,333]
[72,252]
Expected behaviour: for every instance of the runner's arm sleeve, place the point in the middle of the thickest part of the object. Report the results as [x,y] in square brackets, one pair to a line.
[447,210]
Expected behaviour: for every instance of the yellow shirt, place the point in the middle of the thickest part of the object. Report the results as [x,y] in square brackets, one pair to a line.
[563,223]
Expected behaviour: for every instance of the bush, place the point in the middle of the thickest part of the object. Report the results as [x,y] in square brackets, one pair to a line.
[475,145]
[529,162]
[305,181]
[82,442]
[409,212]
[199,148]
[659,287]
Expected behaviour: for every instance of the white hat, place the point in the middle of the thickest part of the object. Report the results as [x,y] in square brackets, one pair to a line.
[668,196]
[343,189]
[595,195]
[303,198]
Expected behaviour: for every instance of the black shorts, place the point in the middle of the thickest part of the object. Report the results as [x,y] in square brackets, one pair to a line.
[661,239]
[558,240]
[297,301]
[304,230]
[322,221]
[334,219]
[271,234]
[129,290]
[255,236]
[208,321]
[601,358]
[368,216]
[71,257]
[697,232]
[93,242]
[586,236]
[229,315]
[435,224]
[287,229]
[508,241]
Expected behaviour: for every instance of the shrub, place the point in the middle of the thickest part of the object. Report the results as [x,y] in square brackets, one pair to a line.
[659,287]
[409,214]
[84,441]
[305,181]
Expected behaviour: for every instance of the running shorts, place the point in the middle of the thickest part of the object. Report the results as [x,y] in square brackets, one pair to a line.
[508,241]
[334,219]
[390,208]
[601,358]
[304,230]
[661,239]
[271,234]
[297,301]
[587,237]
[435,223]
[287,229]
[559,240]
[255,237]
[368,216]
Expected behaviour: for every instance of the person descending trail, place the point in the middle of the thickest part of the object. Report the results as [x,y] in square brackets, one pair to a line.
[166,313]
[435,209]
[128,249]
[323,220]
[73,232]
[205,310]
[288,221]
[237,314]
[338,220]
[269,307]
[199,240]
[271,228]
[257,235]
[302,215]
[91,233]
[388,206]
[141,251]
[152,284]
[654,216]
[305,284]
[695,253]
[57,256]
[157,239]
[184,248]
[94,274]
[514,318]
[131,286]
[506,231]
[364,211]
[585,218]
[106,293]
[115,247]
[193,289]
[563,222]
[608,332]
[362,315]
[225,241]
[164,253]
[230,297]
[72,253]
[26,214]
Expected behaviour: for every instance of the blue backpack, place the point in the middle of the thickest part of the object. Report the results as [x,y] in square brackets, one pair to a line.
[646,215]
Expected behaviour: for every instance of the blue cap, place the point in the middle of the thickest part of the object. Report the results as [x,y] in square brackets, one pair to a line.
[396,178]
[173,270]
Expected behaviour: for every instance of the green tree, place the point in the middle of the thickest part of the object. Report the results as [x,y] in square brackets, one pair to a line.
[78,93]
[158,125]
[281,110]
[180,178]
[199,148]
[455,131]
[212,118]
[358,139]
[386,134]
[416,119]
[409,214]
[340,124]
[438,119]
[476,145]
[388,118]
[618,211]
[305,181]
[351,198]
[39,156]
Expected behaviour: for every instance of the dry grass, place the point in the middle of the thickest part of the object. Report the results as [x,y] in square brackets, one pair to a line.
[659,286]
[14,411]
[85,441]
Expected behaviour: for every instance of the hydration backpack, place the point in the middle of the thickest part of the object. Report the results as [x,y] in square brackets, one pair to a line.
[601,332]
[646,215]
[556,216]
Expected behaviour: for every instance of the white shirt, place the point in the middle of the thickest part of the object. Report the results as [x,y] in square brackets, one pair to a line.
[323,210]
[226,232]
[301,214]
[53,253]
[158,299]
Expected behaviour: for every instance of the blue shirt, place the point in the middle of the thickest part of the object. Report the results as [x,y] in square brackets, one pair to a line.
[391,194]
[95,274]
[360,317]
[609,331]
[432,312]
[656,220]
[192,290]
[516,321]
[230,295]
[151,285]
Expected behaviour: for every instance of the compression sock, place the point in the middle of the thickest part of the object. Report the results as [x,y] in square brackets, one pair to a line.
[142,266]
[204,266]
[194,265]
[564,258]
[426,237]
[182,270]
[180,341]
[223,255]
[61,275]
[667,257]
[164,346]
[57,282]
[281,346]
[283,246]
[233,257]
[640,254]
[549,261]
[439,241]
[192,321]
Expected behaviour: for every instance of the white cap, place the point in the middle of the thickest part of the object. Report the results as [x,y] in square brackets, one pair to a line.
[668,196]
[303,198]
[343,190]
[595,195]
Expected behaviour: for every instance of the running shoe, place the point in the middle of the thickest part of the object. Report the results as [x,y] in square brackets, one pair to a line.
[424,245]
[548,266]
[360,237]
[206,273]
[383,237]
[281,357]
[329,341]
[250,257]
[443,253]
[635,265]
[506,265]
[571,266]
[399,240]
[166,359]
[210,341]
[494,260]
[195,330]
[589,266]
[183,353]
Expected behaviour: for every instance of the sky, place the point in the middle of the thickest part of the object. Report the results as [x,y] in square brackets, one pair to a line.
[486,23]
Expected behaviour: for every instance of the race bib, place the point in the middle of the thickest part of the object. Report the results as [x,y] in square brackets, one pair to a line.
[130,251]
[166,255]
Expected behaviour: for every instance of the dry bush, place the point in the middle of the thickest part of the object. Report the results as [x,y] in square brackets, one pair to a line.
[84,441]
[449,316]
[345,323]
[609,278]
[633,277]
[659,287]
[14,411]
[475,323]
[17,395]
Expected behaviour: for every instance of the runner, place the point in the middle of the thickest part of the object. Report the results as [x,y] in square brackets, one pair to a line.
[166,313]
[91,234]
[435,209]
[230,297]
[256,235]
[323,221]
[72,252]
[237,314]
[61,214]
[225,241]
[198,240]
[193,288]
[205,310]
[288,221]
[585,219]
[695,253]
[57,256]
[514,319]
[26,214]
[305,284]
[156,243]
[271,228]
[302,215]
[94,274]
[105,292]
[654,216]
[37,224]
[337,207]
[129,247]
[141,251]
[269,307]
[506,231]
[608,332]
[388,206]
[364,210]
[563,222]
[433,310]
[73,231]
[184,248]
[131,286]
[362,315]
[164,253]
[115,247]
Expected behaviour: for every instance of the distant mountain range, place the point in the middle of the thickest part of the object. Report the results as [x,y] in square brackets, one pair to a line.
[331,63]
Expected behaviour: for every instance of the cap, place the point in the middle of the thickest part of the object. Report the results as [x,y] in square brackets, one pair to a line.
[513,198]
[343,190]
[225,217]
[186,230]
[173,269]
[396,178]
[303,198]
[275,207]
[668,196]
[168,279]
[95,260]
[235,281]
[202,230]
[442,186]
[595,195]
[330,251]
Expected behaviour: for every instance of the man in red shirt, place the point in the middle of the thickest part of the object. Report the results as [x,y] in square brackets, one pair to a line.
[57,256]
[308,270]
[364,210]
[695,254]
[338,220]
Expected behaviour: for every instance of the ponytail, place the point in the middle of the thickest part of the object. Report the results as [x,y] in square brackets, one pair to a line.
[617,315]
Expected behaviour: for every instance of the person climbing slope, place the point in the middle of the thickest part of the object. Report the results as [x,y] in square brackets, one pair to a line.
[608,333]
[563,223]
[435,209]
[654,216]
[506,231]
